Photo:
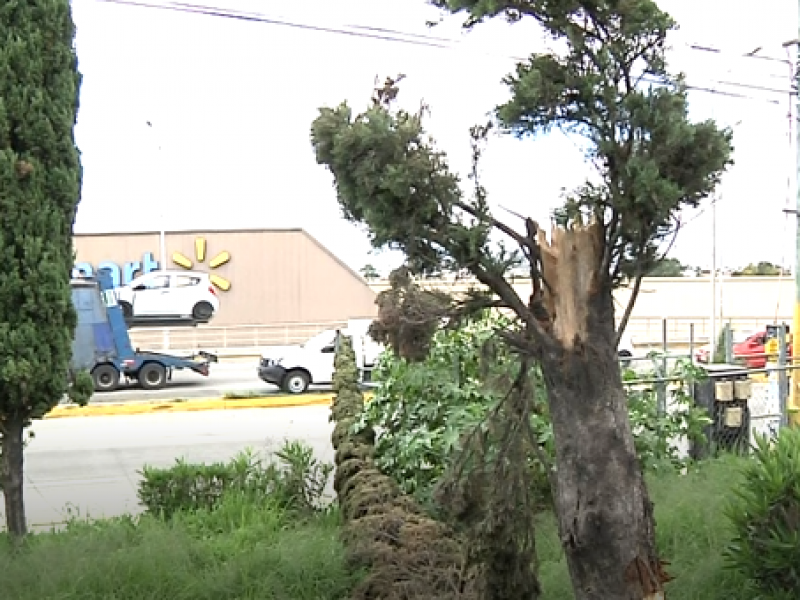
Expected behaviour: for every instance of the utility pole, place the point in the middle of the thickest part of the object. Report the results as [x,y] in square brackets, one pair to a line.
[794,398]
[713,278]
[794,393]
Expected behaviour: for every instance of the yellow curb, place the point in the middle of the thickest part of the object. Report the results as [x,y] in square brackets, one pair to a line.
[173,406]
[200,404]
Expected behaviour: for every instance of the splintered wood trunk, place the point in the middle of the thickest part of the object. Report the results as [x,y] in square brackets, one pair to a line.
[605,516]
[11,476]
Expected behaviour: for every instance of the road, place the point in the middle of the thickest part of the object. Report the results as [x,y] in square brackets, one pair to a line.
[88,466]
[225,378]
[234,377]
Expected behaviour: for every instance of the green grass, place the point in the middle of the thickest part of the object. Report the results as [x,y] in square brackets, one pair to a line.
[240,551]
[247,551]
[692,534]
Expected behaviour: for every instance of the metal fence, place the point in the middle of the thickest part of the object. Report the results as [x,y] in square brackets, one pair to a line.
[234,338]
[646,333]
[744,395]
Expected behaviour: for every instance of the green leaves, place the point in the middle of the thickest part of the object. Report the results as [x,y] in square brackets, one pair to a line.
[40,175]
[610,84]
[658,429]
[422,410]
[294,480]
[765,516]
[389,177]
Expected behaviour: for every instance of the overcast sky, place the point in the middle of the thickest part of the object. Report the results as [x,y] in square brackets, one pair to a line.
[231,103]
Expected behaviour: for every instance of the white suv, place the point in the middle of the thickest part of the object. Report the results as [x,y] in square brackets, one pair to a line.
[169,294]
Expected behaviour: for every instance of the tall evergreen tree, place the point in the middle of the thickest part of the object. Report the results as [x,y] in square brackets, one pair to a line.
[40,184]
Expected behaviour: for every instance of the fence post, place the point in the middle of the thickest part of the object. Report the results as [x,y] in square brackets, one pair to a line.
[783,387]
[661,387]
[691,342]
[728,343]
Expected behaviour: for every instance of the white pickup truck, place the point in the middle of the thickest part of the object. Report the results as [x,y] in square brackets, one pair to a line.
[294,368]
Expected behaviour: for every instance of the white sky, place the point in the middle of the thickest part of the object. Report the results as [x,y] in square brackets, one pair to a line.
[231,103]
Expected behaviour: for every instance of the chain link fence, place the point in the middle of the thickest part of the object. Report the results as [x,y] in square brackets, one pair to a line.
[745,392]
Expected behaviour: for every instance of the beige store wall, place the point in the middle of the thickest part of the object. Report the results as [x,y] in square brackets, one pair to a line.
[689,297]
[275,276]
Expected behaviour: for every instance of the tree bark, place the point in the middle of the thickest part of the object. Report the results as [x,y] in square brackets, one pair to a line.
[604,512]
[12,477]
[605,515]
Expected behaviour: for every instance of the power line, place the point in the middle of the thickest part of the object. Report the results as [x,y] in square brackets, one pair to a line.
[396,36]
[261,18]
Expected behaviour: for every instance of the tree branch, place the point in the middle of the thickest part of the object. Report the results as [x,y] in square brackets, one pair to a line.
[509,296]
[626,316]
[507,229]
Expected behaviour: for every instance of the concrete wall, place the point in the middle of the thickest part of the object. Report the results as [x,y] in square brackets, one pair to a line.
[687,297]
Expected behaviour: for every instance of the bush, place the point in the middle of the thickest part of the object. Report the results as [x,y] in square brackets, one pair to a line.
[766,517]
[720,349]
[422,411]
[657,429]
[296,480]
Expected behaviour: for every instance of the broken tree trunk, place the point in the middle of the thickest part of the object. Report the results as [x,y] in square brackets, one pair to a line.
[605,515]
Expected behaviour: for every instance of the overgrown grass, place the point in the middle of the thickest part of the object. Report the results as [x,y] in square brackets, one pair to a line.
[241,550]
[246,550]
[692,534]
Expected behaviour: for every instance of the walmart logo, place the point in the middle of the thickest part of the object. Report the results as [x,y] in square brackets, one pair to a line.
[200,256]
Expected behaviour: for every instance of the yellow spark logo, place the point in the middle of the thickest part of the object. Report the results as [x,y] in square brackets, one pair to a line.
[200,254]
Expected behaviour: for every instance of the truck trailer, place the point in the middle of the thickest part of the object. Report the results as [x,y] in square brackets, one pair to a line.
[102,345]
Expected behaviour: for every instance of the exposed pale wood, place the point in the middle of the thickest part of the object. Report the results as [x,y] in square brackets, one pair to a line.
[570,262]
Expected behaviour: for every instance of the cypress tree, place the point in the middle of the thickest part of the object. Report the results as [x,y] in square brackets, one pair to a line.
[40,184]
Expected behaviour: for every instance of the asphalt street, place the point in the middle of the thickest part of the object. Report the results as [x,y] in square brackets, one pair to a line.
[88,467]
[234,377]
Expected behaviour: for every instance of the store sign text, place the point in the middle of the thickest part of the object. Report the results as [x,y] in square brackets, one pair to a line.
[121,274]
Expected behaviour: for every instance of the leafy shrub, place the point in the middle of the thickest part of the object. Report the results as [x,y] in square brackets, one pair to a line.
[422,411]
[656,429]
[765,515]
[296,481]
[720,347]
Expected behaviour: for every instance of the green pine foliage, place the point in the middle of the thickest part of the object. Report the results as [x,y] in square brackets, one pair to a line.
[765,516]
[40,179]
[40,175]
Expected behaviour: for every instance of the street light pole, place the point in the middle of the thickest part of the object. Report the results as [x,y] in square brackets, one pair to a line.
[162,234]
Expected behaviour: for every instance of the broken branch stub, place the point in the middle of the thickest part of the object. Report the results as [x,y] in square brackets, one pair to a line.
[570,266]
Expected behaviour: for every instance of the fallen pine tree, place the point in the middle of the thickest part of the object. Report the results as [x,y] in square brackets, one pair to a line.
[404,553]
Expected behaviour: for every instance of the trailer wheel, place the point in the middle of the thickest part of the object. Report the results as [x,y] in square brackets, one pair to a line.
[203,311]
[105,378]
[296,382]
[152,376]
[127,310]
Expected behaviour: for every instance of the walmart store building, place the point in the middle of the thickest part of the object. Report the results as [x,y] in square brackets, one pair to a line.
[281,285]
